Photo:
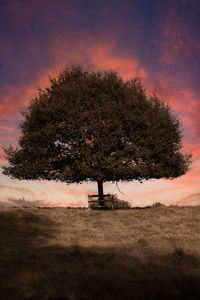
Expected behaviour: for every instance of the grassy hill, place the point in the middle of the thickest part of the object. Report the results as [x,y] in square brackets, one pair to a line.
[60,253]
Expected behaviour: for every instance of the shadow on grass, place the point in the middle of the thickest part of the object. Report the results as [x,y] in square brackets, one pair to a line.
[30,268]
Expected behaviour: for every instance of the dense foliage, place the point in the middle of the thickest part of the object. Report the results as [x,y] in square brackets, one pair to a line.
[93,126]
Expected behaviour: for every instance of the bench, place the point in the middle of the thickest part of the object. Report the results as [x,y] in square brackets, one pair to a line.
[91,200]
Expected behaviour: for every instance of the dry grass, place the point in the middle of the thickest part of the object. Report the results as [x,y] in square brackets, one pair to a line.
[60,253]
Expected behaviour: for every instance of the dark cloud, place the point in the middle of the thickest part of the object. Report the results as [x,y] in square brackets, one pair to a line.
[18,189]
[27,203]
[22,202]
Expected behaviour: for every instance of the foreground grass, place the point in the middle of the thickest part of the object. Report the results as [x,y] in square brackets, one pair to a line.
[74,254]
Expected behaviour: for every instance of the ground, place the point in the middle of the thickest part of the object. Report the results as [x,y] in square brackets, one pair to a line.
[60,253]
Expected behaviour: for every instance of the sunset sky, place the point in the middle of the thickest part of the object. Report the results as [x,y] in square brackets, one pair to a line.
[157,41]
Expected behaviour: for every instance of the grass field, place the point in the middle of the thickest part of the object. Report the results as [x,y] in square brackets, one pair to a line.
[60,253]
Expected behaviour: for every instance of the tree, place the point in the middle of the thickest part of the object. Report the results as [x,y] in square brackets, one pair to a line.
[93,126]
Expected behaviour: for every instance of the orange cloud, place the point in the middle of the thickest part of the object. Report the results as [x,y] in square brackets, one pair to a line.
[102,58]
[100,55]
[2,156]
[193,148]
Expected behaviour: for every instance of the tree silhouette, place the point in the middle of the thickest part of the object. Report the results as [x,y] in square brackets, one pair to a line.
[93,126]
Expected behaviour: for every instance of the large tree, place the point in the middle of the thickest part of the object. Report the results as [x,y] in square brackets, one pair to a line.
[93,126]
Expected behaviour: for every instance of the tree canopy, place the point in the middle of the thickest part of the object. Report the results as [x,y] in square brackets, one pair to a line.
[94,126]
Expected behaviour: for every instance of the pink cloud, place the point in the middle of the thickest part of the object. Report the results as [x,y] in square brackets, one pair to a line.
[191,200]
[190,179]
[64,204]
[185,102]
[15,99]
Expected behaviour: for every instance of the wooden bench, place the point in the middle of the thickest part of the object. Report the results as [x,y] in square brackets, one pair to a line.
[91,200]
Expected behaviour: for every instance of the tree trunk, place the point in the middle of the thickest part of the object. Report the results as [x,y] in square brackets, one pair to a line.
[100,192]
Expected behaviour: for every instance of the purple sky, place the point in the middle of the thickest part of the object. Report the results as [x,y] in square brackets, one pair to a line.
[157,41]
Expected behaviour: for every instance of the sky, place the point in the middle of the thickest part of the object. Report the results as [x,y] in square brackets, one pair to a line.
[157,41]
